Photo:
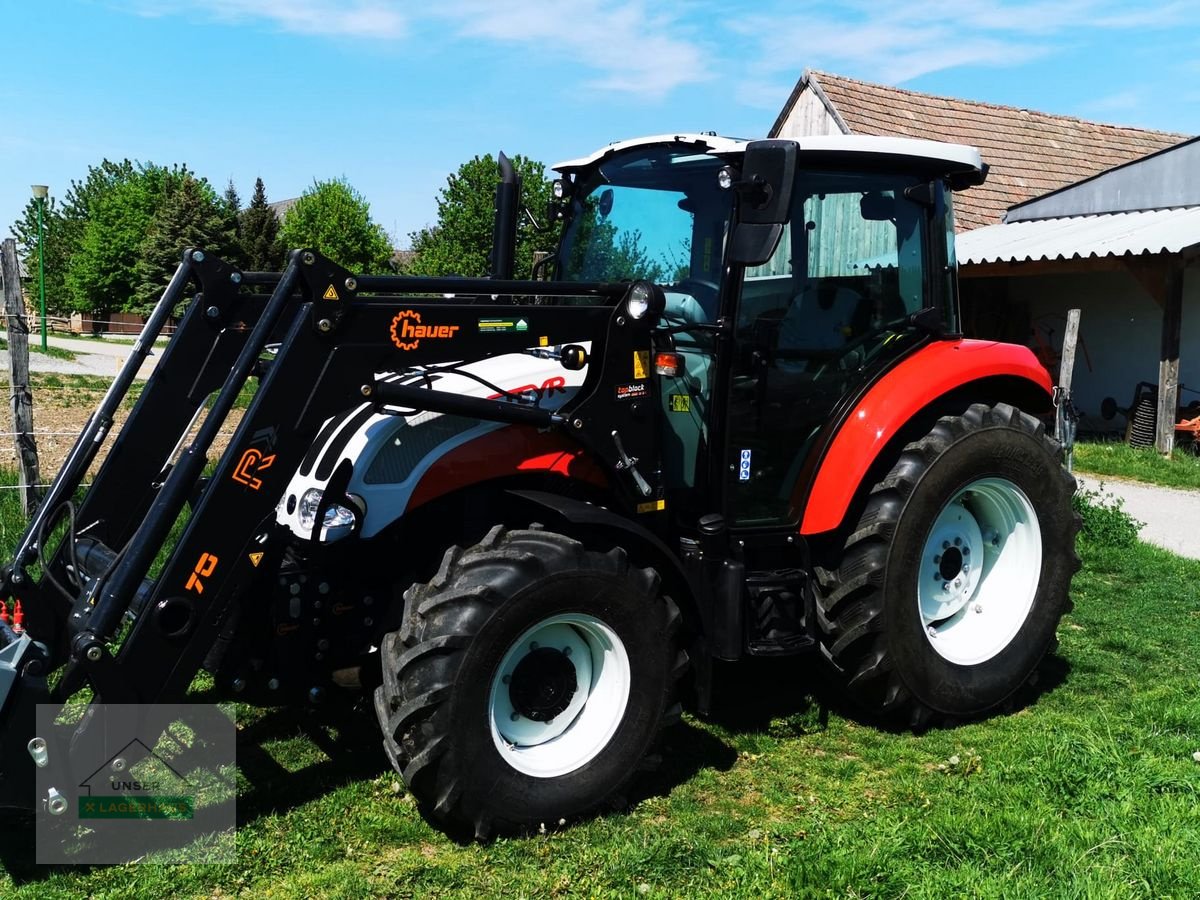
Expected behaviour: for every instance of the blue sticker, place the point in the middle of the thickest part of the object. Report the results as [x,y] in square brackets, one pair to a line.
[744,469]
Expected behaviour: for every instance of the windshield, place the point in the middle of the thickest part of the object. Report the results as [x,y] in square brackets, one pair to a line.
[652,213]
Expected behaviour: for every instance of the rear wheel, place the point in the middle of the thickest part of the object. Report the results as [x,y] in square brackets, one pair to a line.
[528,681]
[948,592]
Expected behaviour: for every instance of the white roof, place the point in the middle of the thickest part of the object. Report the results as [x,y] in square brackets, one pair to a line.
[1082,237]
[957,155]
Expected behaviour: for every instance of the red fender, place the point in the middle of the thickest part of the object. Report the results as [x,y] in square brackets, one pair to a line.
[912,385]
[508,451]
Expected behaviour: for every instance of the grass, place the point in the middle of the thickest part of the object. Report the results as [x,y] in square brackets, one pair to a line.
[1119,460]
[35,347]
[1091,791]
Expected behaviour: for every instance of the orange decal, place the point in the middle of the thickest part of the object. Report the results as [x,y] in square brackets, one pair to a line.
[205,566]
[252,462]
[407,330]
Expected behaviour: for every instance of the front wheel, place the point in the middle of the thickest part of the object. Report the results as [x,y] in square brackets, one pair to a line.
[949,590]
[528,681]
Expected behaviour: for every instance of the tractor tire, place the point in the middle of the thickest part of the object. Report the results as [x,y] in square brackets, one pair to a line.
[948,592]
[527,682]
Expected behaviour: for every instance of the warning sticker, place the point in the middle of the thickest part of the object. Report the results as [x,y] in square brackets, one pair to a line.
[680,403]
[744,466]
[330,293]
[652,506]
[641,364]
[502,326]
[255,559]
[634,391]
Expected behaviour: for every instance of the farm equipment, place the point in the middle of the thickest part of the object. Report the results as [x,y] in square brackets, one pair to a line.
[522,519]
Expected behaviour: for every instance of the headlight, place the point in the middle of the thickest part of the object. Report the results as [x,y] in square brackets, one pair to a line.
[336,516]
[644,296]
[559,188]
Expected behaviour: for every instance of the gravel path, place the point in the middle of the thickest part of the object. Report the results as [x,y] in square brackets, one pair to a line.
[1172,515]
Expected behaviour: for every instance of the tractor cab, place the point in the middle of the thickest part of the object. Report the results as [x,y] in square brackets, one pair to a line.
[794,275]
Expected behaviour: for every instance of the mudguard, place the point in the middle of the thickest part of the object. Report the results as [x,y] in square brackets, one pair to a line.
[932,372]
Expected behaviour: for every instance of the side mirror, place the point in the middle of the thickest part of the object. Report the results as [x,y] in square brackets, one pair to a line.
[765,200]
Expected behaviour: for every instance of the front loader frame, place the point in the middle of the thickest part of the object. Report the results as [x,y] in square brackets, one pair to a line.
[335,332]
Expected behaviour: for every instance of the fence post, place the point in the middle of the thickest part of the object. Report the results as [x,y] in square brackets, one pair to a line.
[18,363]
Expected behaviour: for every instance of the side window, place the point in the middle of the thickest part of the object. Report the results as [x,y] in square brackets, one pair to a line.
[815,321]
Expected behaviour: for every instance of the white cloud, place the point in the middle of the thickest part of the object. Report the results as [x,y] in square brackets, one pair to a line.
[623,46]
[379,19]
[901,42]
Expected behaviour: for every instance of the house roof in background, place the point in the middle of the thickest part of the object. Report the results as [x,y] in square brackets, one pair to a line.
[281,207]
[1083,237]
[1030,153]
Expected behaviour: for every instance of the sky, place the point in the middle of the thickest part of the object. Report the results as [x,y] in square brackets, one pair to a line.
[395,96]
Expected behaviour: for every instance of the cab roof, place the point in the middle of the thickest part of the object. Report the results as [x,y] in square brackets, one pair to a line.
[952,157]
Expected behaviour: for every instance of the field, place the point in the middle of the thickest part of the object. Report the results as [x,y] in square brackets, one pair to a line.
[1089,788]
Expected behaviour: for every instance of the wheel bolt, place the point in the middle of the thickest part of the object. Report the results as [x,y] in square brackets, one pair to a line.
[966,551]
[978,607]
[932,631]
[958,542]
[946,586]
[945,545]
[966,569]
[936,560]
[515,716]
[566,651]
[958,582]
[507,679]
[533,645]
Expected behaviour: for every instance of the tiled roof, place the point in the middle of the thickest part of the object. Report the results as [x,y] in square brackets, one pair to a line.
[1030,152]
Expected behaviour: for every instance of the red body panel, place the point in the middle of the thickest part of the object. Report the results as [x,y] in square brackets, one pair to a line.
[509,451]
[913,384]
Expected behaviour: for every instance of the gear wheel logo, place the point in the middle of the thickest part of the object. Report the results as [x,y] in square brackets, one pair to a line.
[408,330]
[397,328]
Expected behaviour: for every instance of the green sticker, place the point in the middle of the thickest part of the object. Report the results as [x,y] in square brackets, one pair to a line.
[681,403]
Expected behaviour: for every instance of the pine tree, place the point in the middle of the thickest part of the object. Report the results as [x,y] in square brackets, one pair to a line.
[258,233]
[191,215]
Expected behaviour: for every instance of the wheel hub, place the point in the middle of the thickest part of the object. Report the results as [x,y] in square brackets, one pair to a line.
[979,571]
[543,684]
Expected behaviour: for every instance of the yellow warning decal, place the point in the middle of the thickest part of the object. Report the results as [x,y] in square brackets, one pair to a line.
[681,403]
[543,341]
[255,559]
[330,293]
[652,506]
[641,364]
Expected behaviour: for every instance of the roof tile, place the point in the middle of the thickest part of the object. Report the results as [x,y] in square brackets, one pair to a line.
[1030,152]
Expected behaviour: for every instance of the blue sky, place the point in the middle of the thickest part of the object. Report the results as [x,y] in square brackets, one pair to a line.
[395,95]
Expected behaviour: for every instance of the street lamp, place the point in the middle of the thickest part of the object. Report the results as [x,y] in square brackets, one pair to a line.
[39,194]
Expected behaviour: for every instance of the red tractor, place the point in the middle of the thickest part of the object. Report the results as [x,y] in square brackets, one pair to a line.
[735,418]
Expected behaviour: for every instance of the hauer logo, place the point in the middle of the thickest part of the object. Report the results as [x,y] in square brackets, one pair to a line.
[407,330]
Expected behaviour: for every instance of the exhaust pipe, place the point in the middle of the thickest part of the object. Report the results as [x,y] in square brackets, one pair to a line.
[504,224]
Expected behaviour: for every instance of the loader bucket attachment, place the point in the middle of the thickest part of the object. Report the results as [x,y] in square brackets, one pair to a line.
[22,688]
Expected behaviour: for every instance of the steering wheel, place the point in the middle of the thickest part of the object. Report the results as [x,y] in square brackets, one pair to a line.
[850,349]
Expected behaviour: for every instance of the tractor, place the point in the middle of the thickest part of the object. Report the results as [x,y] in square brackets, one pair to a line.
[732,416]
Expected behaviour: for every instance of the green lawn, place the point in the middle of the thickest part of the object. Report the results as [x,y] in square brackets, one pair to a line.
[1091,790]
[1119,460]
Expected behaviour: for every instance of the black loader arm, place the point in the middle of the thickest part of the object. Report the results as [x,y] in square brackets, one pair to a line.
[336,332]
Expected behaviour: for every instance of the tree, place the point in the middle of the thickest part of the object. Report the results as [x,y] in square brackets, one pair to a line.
[189,215]
[461,241]
[258,233]
[335,219]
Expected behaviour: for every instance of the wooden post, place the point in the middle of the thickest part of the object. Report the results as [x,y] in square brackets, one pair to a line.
[1168,367]
[1064,421]
[18,368]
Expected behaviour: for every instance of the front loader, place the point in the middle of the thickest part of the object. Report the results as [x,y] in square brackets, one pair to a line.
[521,519]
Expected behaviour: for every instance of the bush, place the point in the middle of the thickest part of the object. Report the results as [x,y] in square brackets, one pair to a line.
[1104,518]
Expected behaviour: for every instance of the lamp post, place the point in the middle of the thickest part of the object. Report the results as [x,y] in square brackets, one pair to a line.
[39,194]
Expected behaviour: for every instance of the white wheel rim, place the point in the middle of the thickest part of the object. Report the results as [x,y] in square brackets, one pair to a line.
[979,571]
[571,730]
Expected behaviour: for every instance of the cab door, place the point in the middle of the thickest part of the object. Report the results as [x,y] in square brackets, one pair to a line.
[830,310]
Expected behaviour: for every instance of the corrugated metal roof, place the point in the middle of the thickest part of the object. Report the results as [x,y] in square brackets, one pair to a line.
[1082,237]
